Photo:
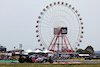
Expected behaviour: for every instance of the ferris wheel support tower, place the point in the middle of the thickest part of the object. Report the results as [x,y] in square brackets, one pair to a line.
[60,34]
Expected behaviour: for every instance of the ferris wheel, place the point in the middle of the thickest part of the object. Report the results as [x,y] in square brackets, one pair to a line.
[59,28]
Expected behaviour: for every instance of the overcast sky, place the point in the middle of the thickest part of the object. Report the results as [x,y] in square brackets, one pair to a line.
[18,20]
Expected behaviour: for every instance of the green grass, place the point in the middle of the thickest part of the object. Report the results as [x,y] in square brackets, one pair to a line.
[47,65]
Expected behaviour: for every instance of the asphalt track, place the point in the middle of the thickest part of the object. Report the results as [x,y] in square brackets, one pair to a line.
[77,61]
[65,62]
